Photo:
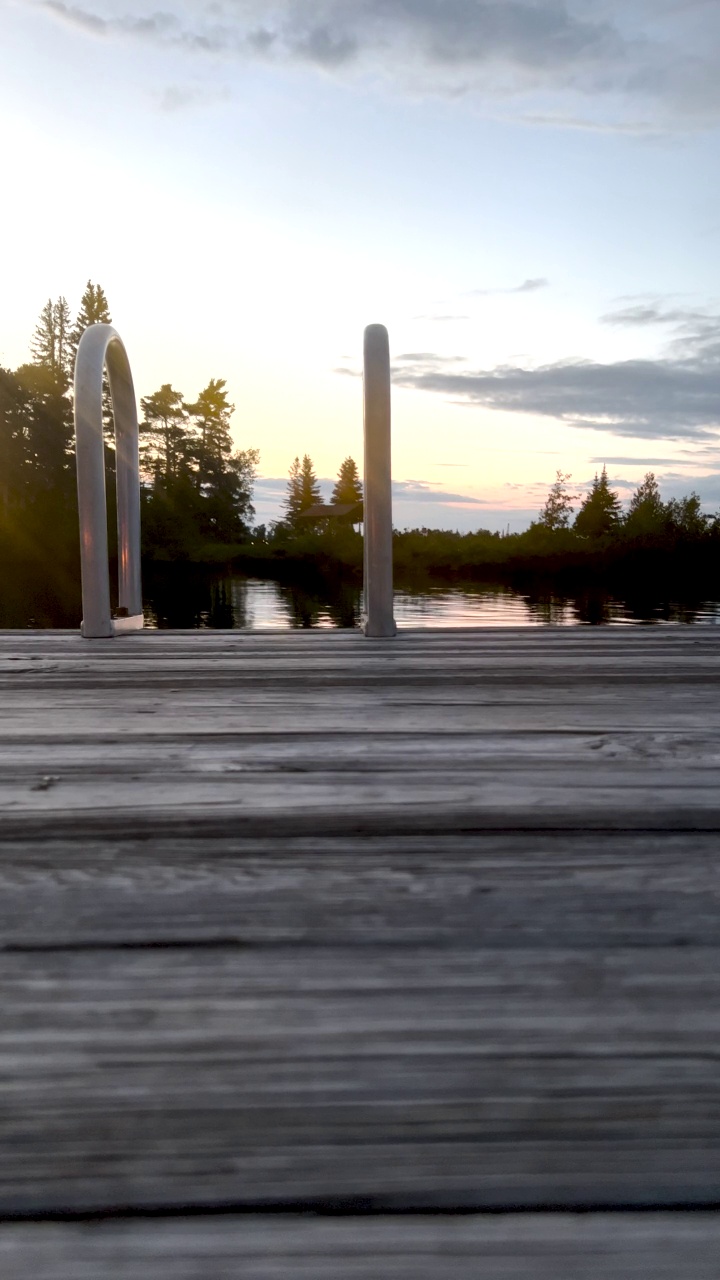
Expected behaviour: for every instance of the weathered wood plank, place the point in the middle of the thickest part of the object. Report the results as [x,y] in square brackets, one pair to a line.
[600,1246]
[404,1077]
[142,712]
[211,998]
[403,802]
[585,891]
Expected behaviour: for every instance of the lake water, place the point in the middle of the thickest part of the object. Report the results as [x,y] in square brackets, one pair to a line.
[194,597]
[241,602]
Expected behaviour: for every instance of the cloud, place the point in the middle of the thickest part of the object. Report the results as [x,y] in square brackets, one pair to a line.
[676,395]
[90,22]
[651,399]
[652,313]
[619,52]
[696,330]
[154,26]
[180,97]
[412,490]
[626,460]
[440,319]
[527,286]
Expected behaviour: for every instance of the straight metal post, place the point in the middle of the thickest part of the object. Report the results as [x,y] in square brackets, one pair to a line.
[377,500]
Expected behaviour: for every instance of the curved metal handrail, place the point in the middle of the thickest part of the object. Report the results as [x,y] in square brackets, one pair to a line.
[101,348]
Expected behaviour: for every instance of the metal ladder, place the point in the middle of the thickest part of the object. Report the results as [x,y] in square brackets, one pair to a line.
[101,348]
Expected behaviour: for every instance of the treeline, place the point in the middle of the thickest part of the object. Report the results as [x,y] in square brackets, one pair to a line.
[197,488]
[672,537]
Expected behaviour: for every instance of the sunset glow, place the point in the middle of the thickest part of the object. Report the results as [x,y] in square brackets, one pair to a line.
[249,203]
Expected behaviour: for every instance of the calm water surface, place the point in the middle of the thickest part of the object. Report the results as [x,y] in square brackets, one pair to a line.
[237,601]
[191,597]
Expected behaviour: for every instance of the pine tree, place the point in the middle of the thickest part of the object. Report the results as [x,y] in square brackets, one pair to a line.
[303,490]
[558,506]
[63,333]
[646,513]
[51,346]
[48,430]
[211,415]
[42,343]
[292,502]
[600,511]
[163,432]
[94,309]
[348,488]
[685,516]
[14,445]
[223,477]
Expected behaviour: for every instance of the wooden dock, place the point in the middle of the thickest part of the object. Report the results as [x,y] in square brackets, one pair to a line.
[334,959]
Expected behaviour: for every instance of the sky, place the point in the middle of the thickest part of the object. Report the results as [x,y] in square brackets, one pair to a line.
[526,192]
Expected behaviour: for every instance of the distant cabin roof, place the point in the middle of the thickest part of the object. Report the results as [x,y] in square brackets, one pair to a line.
[326,510]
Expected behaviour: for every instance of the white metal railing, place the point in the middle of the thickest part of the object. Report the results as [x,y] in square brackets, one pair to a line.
[101,348]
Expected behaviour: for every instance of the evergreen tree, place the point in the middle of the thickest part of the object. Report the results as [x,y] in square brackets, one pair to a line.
[303,490]
[210,416]
[15,472]
[51,346]
[558,506]
[164,433]
[94,309]
[348,488]
[230,508]
[63,341]
[685,516]
[223,478]
[600,511]
[646,513]
[48,430]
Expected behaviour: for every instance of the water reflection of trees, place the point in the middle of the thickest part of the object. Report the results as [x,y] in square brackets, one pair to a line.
[31,599]
[192,597]
[595,606]
[546,607]
[335,604]
[181,597]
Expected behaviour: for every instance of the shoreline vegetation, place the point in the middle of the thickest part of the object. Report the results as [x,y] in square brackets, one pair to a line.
[197,513]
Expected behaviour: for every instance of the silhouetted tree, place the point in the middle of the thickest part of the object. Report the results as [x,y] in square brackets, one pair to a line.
[558,506]
[600,511]
[210,415]
[347,486]
[48,428]
[303,490]
[164,433]
[223,477]
[646,514]
[51,344]
[685,517]
[15,466]
[94,309]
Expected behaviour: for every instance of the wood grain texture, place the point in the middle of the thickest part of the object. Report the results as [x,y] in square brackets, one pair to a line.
[399,1076]
[297,918]
[520,889]
[507,1247]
